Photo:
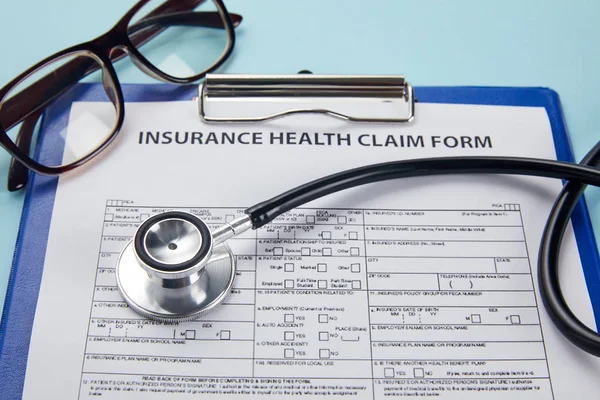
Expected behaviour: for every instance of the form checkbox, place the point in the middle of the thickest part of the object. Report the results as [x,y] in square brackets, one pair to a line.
[476,318]
[419,372]
[310,219]
[327,251]
[288,284]
[342,219]
[289,353]
[356,285]
[322,284]
[225,335]
[144,217]
[277,251]
[323,318]
[305,251]
[321,267]
[288,267]
[289,335]
[388,372]
[326,235]
[110,217]
[190,334]
[354,251]
[289,318]
[324,353]
[324,336]
[353,235]
[229,217]
[515,319]
[355,267]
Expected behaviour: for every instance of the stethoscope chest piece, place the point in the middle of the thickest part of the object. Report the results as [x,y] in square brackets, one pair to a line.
[171,271]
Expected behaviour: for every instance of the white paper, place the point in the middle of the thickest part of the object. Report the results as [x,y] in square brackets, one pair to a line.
[414,287]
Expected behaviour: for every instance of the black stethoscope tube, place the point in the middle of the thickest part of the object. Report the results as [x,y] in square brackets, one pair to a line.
[264,212]
[576,175]
[548,277]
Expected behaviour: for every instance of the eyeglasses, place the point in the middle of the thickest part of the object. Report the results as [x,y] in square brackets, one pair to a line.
[176,41]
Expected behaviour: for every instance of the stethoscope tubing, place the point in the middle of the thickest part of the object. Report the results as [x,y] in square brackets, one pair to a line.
[266,211]
[548,273]
[577,176]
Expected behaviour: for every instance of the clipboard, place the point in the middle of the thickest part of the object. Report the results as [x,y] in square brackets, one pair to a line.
[27,268]
[310,94]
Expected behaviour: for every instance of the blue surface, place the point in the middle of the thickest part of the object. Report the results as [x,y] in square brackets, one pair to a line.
[443,42]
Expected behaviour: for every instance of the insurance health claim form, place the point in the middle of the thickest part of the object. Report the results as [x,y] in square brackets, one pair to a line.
[414,287]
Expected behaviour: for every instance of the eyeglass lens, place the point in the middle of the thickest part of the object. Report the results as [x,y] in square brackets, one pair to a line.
[181,44]
[90,124]
[188,43]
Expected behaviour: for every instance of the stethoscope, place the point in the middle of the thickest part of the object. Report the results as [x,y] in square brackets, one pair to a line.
[176,269]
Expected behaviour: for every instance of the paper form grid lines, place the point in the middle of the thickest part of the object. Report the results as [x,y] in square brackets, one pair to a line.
[419,295]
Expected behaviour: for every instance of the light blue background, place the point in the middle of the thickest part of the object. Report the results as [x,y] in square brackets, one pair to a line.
[443,42]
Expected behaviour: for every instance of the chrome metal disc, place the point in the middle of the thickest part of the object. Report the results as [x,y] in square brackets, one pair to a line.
[160,303]
[172,245]
[172,241]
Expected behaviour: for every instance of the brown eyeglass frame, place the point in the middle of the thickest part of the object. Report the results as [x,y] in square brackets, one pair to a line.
[121,40]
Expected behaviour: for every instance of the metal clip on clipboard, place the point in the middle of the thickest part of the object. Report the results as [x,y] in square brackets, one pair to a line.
[229,98]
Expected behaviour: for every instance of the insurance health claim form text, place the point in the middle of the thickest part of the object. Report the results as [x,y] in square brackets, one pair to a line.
[415,287]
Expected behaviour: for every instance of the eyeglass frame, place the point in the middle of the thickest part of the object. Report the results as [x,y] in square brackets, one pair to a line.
[105,49]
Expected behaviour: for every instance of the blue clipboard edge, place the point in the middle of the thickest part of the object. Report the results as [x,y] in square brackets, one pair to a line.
[26,272]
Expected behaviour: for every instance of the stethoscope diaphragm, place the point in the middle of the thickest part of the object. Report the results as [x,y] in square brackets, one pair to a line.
[171,271]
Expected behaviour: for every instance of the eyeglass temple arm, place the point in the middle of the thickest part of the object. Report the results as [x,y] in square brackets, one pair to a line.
[185,18]
[18,174]
[47,88]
